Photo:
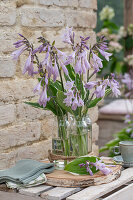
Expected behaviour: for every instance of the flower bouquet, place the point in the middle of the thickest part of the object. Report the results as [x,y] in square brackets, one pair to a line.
[63,88]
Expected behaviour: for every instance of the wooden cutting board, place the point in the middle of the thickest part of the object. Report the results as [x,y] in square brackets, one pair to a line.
[63,178]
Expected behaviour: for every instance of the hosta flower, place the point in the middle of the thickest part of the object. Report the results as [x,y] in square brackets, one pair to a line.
[100,91]
[77,67]
[85,60]
[82,63]
[81,102]
[39,49]
[45,61]
[29,66]
[37,88]
[102,167]
[43,98]
[70,95]
[69,85]
[114,85]
[105,54]
[19,43]
[75,103]
[107,13]
[88,168]
[17,53]
[70,58]
[55,71]
[64,68]
[68,36]
[68,101]
[97,62]
[91,85]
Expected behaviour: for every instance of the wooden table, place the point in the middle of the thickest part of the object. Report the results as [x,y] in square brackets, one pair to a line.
[120,189]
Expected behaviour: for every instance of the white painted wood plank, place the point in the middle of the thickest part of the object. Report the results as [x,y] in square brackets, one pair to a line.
[59,193]
[34,191]
[125,193]
[94,192]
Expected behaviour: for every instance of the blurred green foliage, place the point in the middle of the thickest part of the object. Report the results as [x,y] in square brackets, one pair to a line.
[118,7]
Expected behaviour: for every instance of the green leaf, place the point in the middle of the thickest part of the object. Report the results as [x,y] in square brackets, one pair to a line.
[94,102]
[75,168]
[34,104]
[60,98]
[104,148]
[71,72]
[79,85]
[53,43]
[67,78]
[50,106]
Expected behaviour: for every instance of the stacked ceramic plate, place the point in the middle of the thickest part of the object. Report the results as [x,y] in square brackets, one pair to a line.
[119,160]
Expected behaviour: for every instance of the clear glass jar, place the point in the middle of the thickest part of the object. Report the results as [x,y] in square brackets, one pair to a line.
[80,136]
[73,138]
[60,139]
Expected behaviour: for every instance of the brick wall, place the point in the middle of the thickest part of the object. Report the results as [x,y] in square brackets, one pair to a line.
[25,132]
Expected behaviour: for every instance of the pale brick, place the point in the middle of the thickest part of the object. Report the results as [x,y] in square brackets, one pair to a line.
[93,114]
[15,90]
[7,37]
[7,114]
[40,17]
[82,19]
[7,15]
[55,35]
[49,127]
[19,134]
[60,3]
[37,151]
[88,4]
[28,113]
[95,132]
[7,66]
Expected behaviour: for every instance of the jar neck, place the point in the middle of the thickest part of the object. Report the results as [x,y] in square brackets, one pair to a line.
[79,118]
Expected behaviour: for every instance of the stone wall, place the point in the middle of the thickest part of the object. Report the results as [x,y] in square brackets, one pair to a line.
[25,132]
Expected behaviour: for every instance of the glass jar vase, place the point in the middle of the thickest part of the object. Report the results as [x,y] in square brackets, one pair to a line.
[80,136]
[73,138]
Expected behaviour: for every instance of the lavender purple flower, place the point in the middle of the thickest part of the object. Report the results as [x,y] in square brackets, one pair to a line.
[17,53]
[99,166]
[105,54]
[82,58]
[68,36]
[73,99]
[43,97]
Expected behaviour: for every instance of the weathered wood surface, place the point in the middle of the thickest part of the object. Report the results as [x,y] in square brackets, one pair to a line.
[65,179]
[59,193]
[125,193]
[34,191]
[15,196]
[94,192]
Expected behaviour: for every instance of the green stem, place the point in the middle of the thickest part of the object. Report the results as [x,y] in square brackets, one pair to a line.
[60,74]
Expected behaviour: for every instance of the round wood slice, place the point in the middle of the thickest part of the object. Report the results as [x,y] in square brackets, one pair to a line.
[63,178]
